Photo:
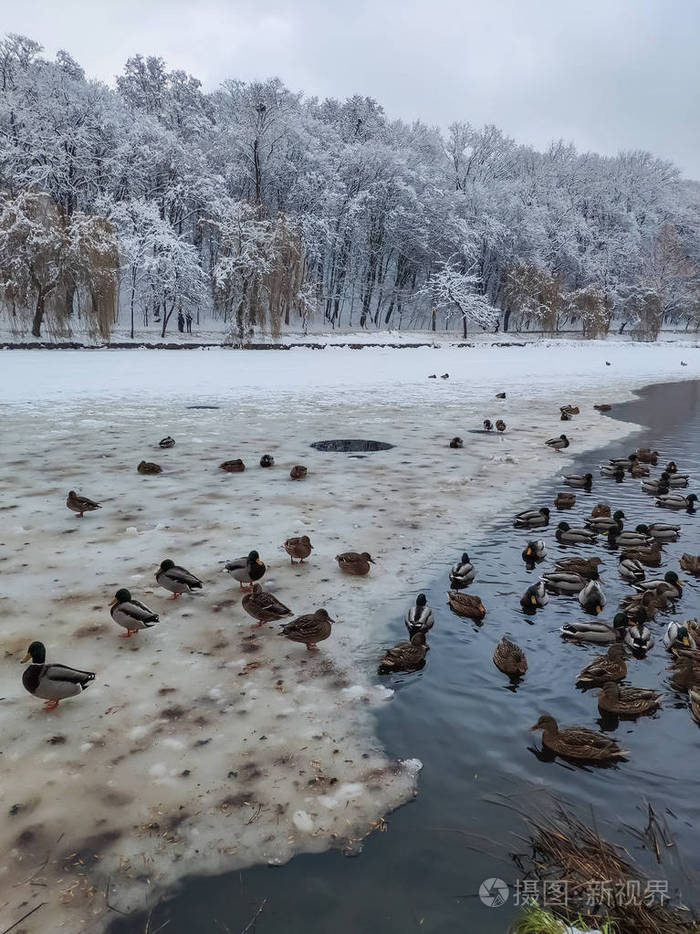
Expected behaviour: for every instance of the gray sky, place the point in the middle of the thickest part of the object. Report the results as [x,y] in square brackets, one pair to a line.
[605,74]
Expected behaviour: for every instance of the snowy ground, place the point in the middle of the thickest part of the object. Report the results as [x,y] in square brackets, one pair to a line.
[204,745]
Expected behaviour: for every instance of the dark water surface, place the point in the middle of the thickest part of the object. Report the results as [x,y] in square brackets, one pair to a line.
[469,727]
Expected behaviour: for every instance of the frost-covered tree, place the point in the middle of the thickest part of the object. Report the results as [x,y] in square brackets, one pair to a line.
[458,292]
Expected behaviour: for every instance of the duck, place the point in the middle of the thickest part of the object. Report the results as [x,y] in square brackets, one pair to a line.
[678,636]
[602,407]
[565,500]
[148,467]
[671,467]
[462,572]
[406,656]
[264,606]
[564,582]
[625,462]
[457,443]
[353,563]
[638,471]
[166,442]
[568,536]
[650,555]
[177,580]
[267,460]
[233,466]
[246,570]
[488,426]
[81,504]
[466,605]
[131,614]
[694,698]
[678,480]
[609,667]
[617,537]
[565,417]
[536,550]
[638,636]
[299,548]
[570,409]
[631,571]
[690,563]
[531,518]
[579,481]
[510,658]
[627,701]
[599,510]
[649,603]
[686,673]
[611,470]
[596,632]
[577,742]
[535,597]
[647,456]
[592,598]
[655,485]
[500,425]
[586,567]
[500,395]
[558,444]
[298,472]
[670,584]
[54,682]
[664,531]
[309,629]
[419,617]
[603,523]
[677,501]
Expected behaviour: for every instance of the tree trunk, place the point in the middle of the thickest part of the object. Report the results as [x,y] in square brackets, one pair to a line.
[464,327]
[506,320]
[433,323]
[166,317]
[133,296]
[38,315]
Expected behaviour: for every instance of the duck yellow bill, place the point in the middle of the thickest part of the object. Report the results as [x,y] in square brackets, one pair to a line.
[529,551]
[258,561]
[533,601]
[113,603]
[26,658]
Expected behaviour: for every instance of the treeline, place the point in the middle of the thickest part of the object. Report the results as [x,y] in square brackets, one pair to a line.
[264,209]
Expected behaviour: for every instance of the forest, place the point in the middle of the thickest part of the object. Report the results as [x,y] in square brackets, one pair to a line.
[265,211]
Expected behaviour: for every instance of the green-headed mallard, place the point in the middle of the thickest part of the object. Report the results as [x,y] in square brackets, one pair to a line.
[264,606]
[592,598]
[52,683]
[647,456]
[462,572]
[638,636]
[488,426]
[603,523]
[579,481]
[148,467]
[598,632]
[246,570]
[649,555]
[678,480]
[677,501]
[678,636]
[309,629]
[658,484]
[601,509]
[466,605]
[299,548]
[614,471]
[81,504]
[176,579]
[558,444]
[586,567]
[670,584]
[419,618]
[531,518]
[690,563]
[456,443]
[627,701]
[534,551]
[568,536]
[609,667]
[664,531]
[534,597]
[166,442]
[352,562]
[267,460]
[565,500]
[631,570]
[233,466]
[577,742]
[406,656]
[510,658]
[298,472]
[567,583]
[671,468]
[619,538]
[131,614]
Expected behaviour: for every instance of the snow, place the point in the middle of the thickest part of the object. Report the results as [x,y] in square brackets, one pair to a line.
[204,744]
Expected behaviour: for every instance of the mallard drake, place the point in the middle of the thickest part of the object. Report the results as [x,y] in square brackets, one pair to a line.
[627,701]
[176,579]
[649,602]
[353,563]
[234,466]
[456,443]
[488,426]
[690,563]
[601,509]
[617,472]
[246,570]
[531,518]
[677,501]
[579,481]
[500,395]
[299,548]
[565,500]
[597,632]
[678,636]
[664,531]
[577,742]
[694,698]
[678,480]
[602,407]
[670,584]
[264,606]
[536,550]
[570,409]
[650,555]
[131,614]
[618,537]
[586,567]
[630,570]
[558,444]
[466,605]
[564,417]
[510,658]
[603,523]
[81,504]
[462,573]
[609,667]
[419,618]
[638,637]
[167,442]
[568,536]
[564,582]
[52,683]
[298,472]
[671,467]
[592,598]
[267,460]
[309,629]
[147,467]
[500,425]
[625,462]
[406,656]
[647,456]
[535,597]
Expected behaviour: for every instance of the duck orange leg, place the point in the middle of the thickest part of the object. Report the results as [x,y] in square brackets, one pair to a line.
[51,705]
[128,634]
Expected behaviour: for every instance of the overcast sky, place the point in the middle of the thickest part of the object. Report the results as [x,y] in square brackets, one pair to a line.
[605,74]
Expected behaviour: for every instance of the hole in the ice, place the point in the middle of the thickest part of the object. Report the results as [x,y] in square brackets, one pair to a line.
[348,446]
[203,406]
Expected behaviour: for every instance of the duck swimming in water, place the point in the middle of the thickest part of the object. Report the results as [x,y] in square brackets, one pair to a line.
[579,481]
[419,617]
[568,536]
[462,572]
[531,518]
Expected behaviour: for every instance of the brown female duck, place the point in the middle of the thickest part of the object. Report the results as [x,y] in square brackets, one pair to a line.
[299,548]
[586,567]
[234,466]
[577,742]
[565,500]
[466,605]
[81,504]
[627,701]
[691,564]
[309,629]
[264,606]
[298,472]
[148,467]
[353,563]
[406,656]
[603,668]
[510,658]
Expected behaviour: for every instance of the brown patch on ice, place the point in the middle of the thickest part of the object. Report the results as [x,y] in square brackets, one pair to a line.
[92,629]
